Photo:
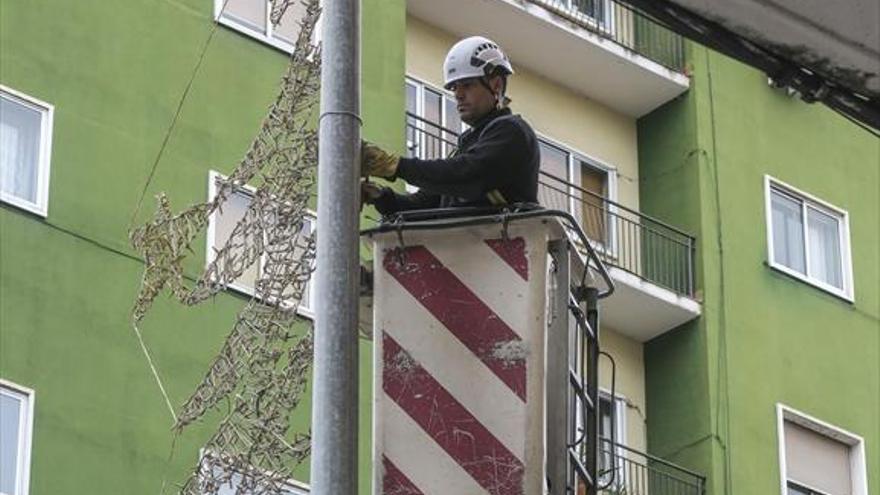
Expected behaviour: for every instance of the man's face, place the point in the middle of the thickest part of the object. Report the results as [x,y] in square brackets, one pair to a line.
[474,100]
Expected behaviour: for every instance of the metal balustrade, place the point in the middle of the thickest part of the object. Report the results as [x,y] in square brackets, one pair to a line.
[428,140]
[626,471]
[624,25]
[624,238]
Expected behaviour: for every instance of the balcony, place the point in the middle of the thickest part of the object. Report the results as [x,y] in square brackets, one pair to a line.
[638,244]
[602,49]
[628,471]
[651,262]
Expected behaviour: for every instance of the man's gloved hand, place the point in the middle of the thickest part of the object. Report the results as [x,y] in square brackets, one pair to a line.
[369,193]
[377,162]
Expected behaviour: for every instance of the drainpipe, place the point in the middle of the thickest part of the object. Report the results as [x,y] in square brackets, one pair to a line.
[335,391]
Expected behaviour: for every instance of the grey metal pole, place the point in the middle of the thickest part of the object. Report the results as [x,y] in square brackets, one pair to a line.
[592,419]
[335,388]
[556,379]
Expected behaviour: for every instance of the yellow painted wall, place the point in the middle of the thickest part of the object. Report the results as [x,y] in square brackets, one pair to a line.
[585,126]
[630,382]
[554,111]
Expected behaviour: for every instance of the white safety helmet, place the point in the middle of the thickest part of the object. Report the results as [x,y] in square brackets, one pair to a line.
[474,57]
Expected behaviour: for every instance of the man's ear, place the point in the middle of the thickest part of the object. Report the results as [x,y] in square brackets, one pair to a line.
[497,84]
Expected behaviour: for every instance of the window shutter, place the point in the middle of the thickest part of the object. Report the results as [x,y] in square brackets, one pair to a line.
[250,12]
[288,29]
[593,214]
[814,460]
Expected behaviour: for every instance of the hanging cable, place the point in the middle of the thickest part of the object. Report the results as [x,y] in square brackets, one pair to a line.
[174,118]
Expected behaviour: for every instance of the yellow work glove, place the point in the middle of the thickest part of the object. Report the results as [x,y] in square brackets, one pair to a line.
[369,193]
[377,162]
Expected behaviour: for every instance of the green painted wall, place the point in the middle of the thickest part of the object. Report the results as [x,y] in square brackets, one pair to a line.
[115,72]
[764,337]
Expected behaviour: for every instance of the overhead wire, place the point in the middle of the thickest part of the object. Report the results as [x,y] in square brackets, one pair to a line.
[175,117]
[153,369]
[813,87]
[262,357]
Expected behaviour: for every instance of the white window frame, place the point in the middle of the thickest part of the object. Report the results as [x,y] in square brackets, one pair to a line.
[25,433]
[574,157]
[857,463]
[809,201]
[297,486]
[47,112]
[213,177]
[265,37]
[421,85]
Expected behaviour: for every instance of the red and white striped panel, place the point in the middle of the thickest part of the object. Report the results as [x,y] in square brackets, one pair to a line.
[459,342]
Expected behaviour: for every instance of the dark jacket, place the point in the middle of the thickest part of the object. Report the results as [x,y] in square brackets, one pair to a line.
[496,163]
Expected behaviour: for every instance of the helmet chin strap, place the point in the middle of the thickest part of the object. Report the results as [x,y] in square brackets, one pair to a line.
[501,101]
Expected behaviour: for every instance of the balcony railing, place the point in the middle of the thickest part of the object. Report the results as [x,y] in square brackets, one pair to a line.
[625,238]
[628,471]
[624,25]
[428,140]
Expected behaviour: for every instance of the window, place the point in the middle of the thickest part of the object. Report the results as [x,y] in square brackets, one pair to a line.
[817,458]
[25,149]
[795,489]
[232,486]
[252,17]
[220,227]
[574,183]
[612,427]
[16,428]
[597,11]
[432,121]
[808,238]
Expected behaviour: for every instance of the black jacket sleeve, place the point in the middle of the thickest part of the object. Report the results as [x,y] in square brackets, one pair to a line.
[389,202]
[470,174]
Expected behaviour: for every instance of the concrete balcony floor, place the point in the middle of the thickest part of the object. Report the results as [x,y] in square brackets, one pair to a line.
[561,50]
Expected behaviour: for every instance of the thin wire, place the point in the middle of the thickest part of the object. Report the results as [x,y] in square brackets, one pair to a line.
[172,450]
[137,332]
[149,180]
[173,123]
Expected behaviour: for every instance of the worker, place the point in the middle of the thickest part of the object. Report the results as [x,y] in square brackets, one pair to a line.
[496,161]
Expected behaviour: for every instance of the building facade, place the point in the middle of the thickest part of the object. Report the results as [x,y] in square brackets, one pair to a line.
[94,87]
[782,197]
[738,223]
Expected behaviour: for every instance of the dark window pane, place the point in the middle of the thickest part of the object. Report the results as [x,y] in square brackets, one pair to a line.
[412,133]
[411,94]
[797,490]
[453,121]
[593,210]
[433,111]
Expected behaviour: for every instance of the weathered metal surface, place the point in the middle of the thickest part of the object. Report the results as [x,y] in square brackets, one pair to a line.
[840,40]
[334,469]
[459,351]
